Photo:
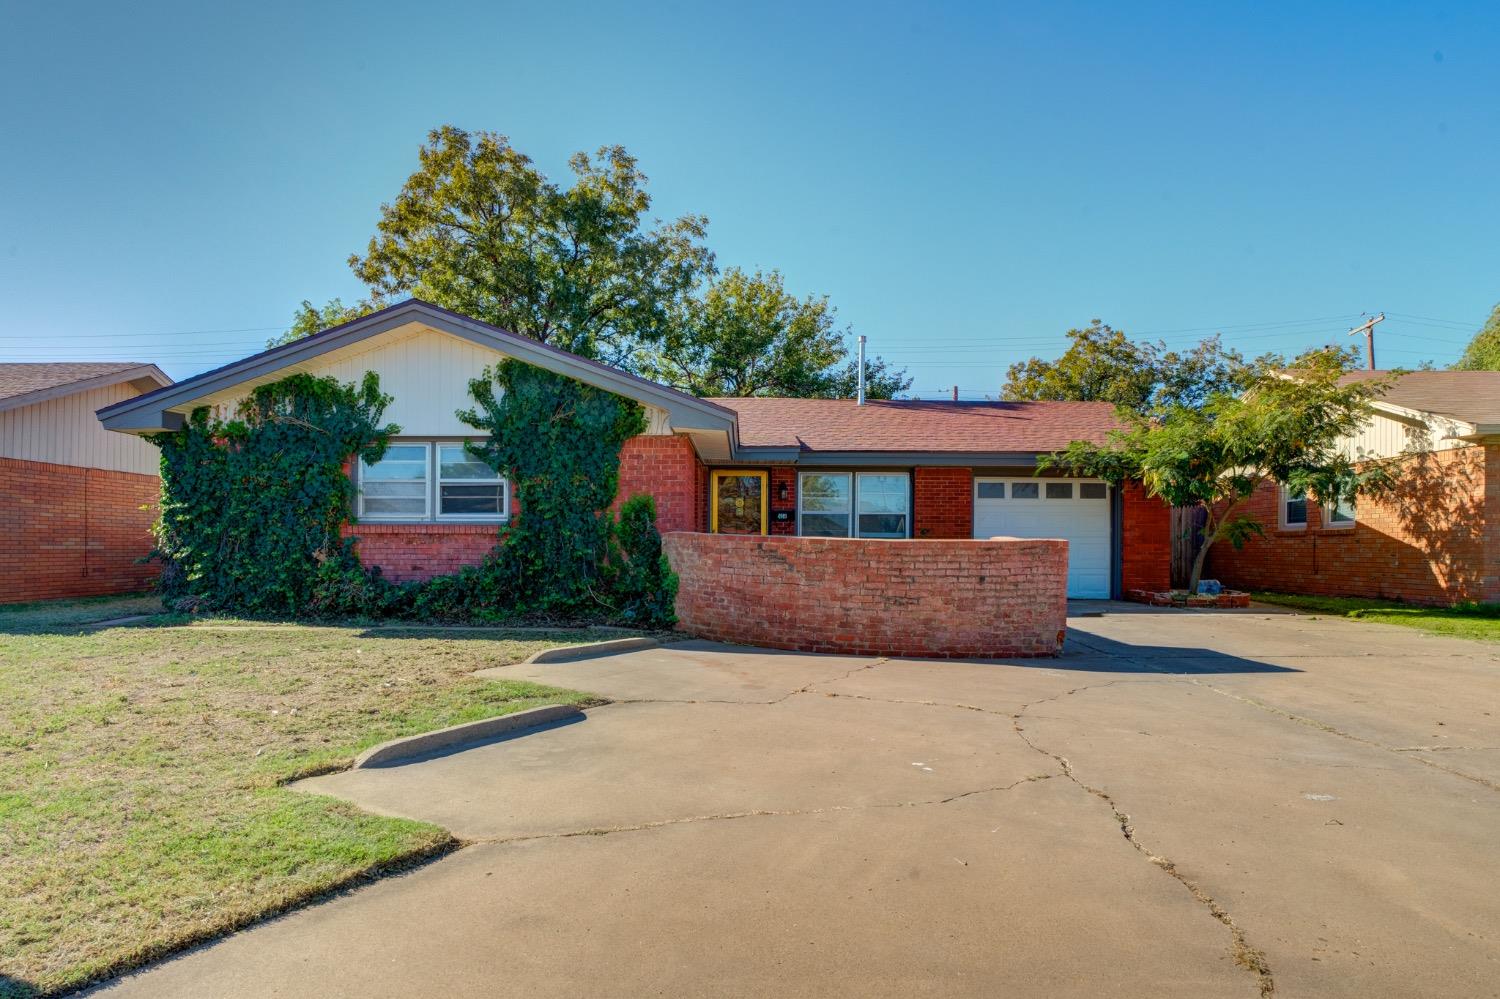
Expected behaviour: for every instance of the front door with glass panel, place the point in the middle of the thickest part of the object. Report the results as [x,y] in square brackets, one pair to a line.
[738,503]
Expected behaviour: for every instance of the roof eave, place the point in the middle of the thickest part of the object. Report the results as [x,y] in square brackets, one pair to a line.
[152,412]
[141,372]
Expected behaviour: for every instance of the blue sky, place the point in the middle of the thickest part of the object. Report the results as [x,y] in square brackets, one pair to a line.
[965,181]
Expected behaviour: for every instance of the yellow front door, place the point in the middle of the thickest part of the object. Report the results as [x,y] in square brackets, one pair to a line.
[738,504]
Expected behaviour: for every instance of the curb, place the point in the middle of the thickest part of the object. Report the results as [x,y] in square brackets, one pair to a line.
[589,650]
[419,745]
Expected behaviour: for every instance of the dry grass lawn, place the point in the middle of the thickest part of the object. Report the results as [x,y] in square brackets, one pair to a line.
[141,772]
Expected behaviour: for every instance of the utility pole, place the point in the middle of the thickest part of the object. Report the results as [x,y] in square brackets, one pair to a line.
[1368,329]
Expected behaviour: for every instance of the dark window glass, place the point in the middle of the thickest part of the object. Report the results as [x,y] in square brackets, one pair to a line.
[1059,490]
[992,490]
[825,525]
[1024,490]
[1296,509]
[473,500]
[1092,490]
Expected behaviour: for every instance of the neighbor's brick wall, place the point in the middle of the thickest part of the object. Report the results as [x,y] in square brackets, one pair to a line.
[667,467]
[1437,540]
[939,599]
[1145,540]
[68,531]
[420,551]
[943,503]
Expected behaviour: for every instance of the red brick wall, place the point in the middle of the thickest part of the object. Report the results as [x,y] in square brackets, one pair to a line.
[943,503]
[1437,540]
[1145,540]
[783,475]
[420,551]
[68,531]
[667,467]
[937,599]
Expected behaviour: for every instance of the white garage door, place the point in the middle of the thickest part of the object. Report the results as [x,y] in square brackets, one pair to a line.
[1074,509]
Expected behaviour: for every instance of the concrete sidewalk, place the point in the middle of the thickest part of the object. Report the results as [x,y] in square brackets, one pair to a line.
[1181,805]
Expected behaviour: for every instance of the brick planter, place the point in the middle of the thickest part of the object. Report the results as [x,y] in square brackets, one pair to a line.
[1180,598]
[930,599]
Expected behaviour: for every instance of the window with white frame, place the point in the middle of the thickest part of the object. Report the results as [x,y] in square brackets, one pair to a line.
[854,504]
[1340,513]
[431,480]
[1293,509]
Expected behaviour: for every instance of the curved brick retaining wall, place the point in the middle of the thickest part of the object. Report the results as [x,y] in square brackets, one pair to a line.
[933,599]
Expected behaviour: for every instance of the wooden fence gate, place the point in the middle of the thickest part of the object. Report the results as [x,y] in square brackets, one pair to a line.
[1187,537]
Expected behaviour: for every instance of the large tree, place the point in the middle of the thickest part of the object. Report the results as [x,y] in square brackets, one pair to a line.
[745,335]
[1483,352]
[480,230]
[1102,364]
[309,318]
[1286,426]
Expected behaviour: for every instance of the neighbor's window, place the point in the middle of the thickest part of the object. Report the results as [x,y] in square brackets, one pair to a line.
[431,480]
[1293,509]
[1341,514]
[849,504]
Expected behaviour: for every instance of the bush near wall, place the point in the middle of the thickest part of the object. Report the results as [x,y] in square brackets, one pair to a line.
[252,508]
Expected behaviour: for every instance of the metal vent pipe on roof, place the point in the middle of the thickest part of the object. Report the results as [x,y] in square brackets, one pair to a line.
[861,399]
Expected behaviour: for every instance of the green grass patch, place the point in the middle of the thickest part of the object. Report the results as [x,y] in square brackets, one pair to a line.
[142,806]
[1466,620]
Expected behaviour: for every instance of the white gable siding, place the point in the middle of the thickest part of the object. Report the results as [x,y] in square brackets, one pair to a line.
[65,431]
[1385,437]
[427,373]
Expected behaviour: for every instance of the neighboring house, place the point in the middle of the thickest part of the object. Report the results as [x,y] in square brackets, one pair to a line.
[76,502]
[920,470]
[1434,539]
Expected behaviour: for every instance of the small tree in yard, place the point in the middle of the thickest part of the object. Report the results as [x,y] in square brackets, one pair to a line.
[1286,427]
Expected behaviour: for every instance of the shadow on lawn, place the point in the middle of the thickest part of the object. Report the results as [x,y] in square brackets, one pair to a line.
[16,988]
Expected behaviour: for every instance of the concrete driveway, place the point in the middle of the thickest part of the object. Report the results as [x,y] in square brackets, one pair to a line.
[1185,804]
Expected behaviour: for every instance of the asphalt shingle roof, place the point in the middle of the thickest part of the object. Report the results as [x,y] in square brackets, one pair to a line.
[34,376]
[1471,396]
[919,426]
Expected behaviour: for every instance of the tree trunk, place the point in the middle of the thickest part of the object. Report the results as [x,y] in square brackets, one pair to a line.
[1198,560]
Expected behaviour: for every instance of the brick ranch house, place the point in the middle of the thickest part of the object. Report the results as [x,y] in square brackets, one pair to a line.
[76,502]
[1435,539]
[825,468]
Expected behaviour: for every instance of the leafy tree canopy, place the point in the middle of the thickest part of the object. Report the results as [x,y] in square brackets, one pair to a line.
[310,319]
[1102,364]
[1285,426]
[478,229]
[745,335]
[1483,352]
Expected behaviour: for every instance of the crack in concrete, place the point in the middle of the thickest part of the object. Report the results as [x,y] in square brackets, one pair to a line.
[749,813]
[1246,956]
[1322,726]
[1309,722]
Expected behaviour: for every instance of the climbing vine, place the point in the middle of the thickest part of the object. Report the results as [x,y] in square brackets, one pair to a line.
[252,508]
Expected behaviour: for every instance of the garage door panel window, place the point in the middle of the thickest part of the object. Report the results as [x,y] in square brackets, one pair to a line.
[991,490]
[854,504]
[1025,490]
[1059,490]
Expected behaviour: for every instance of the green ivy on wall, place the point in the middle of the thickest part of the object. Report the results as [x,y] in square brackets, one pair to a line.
[252,508]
